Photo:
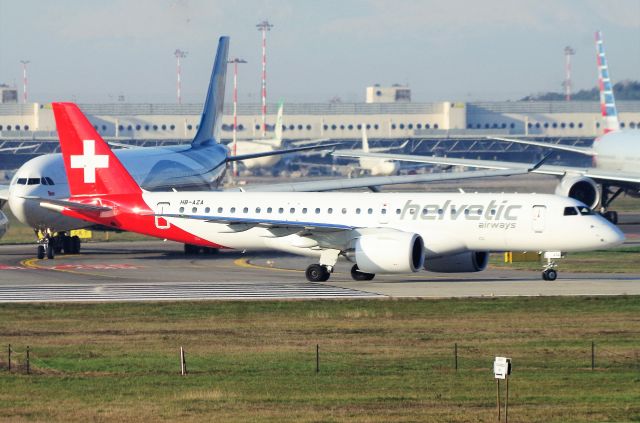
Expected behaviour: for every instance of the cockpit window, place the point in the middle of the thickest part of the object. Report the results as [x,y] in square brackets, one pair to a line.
[33,181]
[22,181]
[585,211]
[49,180]
[570,211]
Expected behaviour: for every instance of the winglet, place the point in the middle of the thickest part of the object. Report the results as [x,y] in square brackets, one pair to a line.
[541,162]
[212,112]
[607,100]
[91,166]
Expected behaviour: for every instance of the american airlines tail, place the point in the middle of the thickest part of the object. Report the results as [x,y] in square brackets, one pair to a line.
[607,100]
[212,112]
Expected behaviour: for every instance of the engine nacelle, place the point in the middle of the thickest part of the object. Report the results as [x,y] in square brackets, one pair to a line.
[4,224]
[392,252]
[581,188]
[472,261]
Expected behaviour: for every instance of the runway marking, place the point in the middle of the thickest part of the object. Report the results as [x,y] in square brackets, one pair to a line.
[177,291]
[243,262]
[7,267]
[33,264]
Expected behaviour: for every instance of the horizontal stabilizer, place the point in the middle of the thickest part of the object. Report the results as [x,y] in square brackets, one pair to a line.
[72,205]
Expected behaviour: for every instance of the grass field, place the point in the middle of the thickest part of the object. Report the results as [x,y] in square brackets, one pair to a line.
[380,360]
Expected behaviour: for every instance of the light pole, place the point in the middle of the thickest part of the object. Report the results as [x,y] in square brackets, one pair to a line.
[235,62]
[24,80]
[179,55]
[264,26]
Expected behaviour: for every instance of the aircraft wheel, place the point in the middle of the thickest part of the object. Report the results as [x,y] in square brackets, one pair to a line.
[190,249]
[40,252]
[66,244]
[549,275]
[317,273]
[75,244]
[357,275]
[612,216]
[50,251]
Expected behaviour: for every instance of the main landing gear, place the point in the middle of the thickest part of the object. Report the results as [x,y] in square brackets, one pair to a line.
[50,244]
[607,198]
[192,250]
[359,275]
[322,271]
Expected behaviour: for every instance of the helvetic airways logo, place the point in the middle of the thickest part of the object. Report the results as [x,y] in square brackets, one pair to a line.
[89,161]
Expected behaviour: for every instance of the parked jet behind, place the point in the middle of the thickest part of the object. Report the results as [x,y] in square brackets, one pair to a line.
[379,233]
[615,154]
[198,166]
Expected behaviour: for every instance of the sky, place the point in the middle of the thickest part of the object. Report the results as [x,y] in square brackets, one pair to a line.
[93,51]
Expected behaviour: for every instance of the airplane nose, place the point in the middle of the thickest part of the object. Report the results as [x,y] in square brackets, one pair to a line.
[610,235]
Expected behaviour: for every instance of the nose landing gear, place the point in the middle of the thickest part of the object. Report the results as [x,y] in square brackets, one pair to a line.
[549,272]
[50,244]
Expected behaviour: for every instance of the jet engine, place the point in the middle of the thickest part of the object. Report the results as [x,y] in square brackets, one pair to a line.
[581,188]
[472,261]
[4,224]
[392,252]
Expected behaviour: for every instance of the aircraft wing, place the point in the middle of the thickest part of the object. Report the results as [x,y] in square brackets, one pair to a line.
[278,152]
[23,147]
[279,227]
[4,195]
[581,150]
[375,181]
[594,173]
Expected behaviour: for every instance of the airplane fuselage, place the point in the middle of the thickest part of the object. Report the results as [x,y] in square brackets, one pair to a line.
[154,168]
[449,223]
[618,151]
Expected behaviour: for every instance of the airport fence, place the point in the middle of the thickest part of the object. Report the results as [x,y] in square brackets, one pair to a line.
[459,357]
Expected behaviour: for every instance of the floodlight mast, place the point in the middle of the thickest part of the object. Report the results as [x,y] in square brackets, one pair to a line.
[568,52]
[24,80]
[235,62]
[179,55]
[264,26]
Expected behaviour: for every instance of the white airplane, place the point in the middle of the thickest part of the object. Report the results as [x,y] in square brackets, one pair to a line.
[262,146]
[379,232]
[615,154]
[200,165]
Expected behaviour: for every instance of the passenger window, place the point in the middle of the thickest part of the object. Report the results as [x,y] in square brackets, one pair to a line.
[269,209]
[257,209]
[181,209]
[245,210]
[232,210]
[292,210]
[357,211]
[344,211]
[370,211]
[220,209]
[329,210]
[194,210]
[281,210]
[570,211]
[317,210]
[304,210]
[207,209]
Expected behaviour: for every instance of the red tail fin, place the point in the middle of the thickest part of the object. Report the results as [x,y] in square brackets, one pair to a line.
[92,168]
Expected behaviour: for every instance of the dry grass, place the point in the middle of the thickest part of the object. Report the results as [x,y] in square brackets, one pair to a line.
[380,360]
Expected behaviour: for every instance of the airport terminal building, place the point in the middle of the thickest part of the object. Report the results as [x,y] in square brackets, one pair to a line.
[389,117]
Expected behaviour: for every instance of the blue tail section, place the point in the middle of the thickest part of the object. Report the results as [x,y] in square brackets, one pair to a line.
[212,113]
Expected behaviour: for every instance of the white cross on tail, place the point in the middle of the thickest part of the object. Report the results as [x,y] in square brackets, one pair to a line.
[89,161]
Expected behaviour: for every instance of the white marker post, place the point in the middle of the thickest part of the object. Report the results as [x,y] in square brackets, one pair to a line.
[502,370]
